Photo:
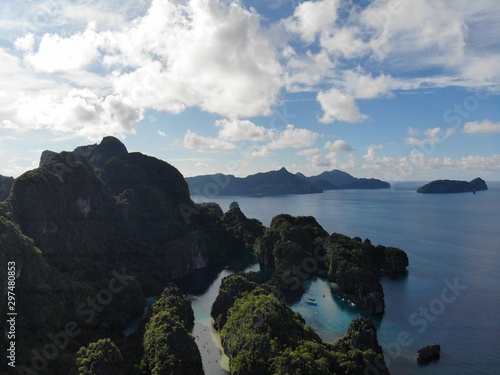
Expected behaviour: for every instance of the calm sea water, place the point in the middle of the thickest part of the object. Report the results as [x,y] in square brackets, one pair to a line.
[451,294]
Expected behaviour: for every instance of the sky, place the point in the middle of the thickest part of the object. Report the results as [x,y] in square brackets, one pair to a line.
[400,90]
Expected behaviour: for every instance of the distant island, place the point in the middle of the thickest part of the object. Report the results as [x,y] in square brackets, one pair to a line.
[453,186]
[278,182]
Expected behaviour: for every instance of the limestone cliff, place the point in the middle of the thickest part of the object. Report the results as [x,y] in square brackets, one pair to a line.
[299,248]
[5,186]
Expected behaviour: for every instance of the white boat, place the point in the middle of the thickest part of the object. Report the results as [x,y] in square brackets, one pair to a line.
[312,301]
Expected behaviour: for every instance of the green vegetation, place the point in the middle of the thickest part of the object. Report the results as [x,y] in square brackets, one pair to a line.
[99,358]
[169,348]
[247,231]
[298,247]
[261,335]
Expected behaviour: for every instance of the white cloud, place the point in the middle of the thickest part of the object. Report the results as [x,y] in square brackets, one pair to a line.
[364,86]
[261,152]
[162,133]
[211,55]
[371,153]
[204,54]
[338,106]
[455,39]
[338,145]
[315,157]
[311,18]
[81,112]
[310,152]
[56,53]
[345,42]
[413,132]
[25,43]
[434,135]
[481,127]
[7,124]
[478,164]
[412,141]
[197,142]
[293,137]
[234,130]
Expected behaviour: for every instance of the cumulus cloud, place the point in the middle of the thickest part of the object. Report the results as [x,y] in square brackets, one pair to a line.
[364,86]
[250,136]
[481,127]
[311,18]
[206,54]
[213,55]
[261,152]
[412,141]
[81,112]
[56,53]
[315,157]
[338,106]
[401,37]
[293,137]
[197,142]
[338,145]
[433,135]
[234,130]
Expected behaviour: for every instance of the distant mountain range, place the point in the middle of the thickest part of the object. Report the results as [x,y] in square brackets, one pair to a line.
[278,182]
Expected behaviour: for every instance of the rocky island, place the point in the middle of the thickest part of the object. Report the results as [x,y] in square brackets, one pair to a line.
[453,186]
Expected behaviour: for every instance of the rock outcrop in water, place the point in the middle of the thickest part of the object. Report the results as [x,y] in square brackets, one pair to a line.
[429,353]
[453,186]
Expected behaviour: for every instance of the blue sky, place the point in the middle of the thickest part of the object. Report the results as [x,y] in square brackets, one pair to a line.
[392,89]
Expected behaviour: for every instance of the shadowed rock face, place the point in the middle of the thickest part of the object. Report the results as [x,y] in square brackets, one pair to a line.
[5,186]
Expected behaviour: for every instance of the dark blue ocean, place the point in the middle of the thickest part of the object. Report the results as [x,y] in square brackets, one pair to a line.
[451,294]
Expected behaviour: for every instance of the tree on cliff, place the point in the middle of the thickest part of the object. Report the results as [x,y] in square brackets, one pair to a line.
[101,357]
